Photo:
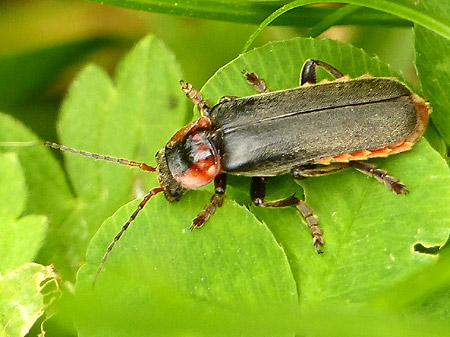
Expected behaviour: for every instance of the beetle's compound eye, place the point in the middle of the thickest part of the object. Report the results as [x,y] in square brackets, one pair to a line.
[172,190]
[193,161]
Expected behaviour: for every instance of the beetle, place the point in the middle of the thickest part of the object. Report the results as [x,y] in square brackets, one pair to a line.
[315,129]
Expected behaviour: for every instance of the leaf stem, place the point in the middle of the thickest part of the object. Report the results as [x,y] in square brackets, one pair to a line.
[404,11]
[332,19]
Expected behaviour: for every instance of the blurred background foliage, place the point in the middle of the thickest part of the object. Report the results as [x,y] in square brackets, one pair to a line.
[45,43]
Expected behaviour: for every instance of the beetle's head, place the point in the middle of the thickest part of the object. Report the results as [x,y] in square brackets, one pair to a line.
[189,160]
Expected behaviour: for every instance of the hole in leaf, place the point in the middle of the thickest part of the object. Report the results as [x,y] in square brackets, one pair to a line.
[420,248]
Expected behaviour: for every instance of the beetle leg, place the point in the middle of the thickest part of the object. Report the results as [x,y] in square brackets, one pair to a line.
[258,193]
[196,97]
[392,183]
[371,170]
[305,171]
[258,83]
[220,183]
[309,71]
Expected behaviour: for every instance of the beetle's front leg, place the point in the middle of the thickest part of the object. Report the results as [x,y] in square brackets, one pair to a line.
[309,71]
[220,184]
[196,97]
[258,193]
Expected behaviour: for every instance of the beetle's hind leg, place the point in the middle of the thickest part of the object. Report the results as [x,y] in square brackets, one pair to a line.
[309,71]
[381,175]
[220,184]
[257,83]
[196,97]
[392,183]
[258,193]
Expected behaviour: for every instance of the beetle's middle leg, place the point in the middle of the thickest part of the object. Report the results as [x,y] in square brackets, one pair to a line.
[220,184]
[258,193]
[196,97]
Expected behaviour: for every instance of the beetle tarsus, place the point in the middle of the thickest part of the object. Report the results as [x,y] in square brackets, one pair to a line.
[257,83]
[210,209]
[381,175]
[392,183]
[196,97]
[312,222]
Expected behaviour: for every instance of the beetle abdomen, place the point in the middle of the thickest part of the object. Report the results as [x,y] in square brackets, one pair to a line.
[270,133]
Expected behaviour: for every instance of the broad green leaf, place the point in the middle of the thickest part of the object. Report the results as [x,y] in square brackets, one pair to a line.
[364,223]
[44,178]
[24,295]
[20,238]
[247,11]
[131,118]
[38,67]
[426,291]
[235,259]
[433,67]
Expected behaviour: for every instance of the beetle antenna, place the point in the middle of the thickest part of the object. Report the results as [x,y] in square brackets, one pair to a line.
[141,205]
[142,166]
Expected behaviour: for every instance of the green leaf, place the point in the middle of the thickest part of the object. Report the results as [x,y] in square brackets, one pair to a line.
[426,291]
[48,194]
[12,187]
[433,67]
[247,11]
[44,177]
[215,264]
[364,223]
[20,238]
[24,295]
[235,259]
